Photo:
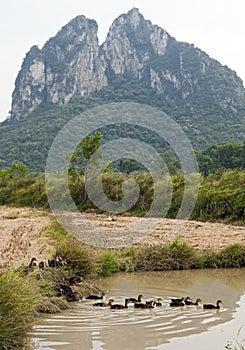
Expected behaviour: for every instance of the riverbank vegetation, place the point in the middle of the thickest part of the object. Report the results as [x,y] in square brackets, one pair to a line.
[17,309]
[26,292]
[221,195]
[176,255]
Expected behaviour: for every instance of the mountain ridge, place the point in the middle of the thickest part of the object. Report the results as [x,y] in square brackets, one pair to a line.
[138,62]
[72,63]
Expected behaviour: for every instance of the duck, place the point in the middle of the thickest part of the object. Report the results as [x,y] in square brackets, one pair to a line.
[42,265]
[147,305]
[178,300]
[33,263]
[57,262]
[157,302]
[212,306]
[95,297]
[68,292]
[134,300]
[177,303]
[104,304]
[119,306]
[74,280]
[190,302]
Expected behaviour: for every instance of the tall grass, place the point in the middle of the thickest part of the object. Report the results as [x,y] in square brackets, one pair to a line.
[79,258]
[17,309]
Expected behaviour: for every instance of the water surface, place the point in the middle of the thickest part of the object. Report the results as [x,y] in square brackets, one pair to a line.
[88,328]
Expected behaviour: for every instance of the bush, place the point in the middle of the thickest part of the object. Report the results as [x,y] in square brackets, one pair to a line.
[108,264]
[232,256]
[77,257]
[176,255]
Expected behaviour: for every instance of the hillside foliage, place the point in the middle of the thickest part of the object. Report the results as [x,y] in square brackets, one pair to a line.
[28,141]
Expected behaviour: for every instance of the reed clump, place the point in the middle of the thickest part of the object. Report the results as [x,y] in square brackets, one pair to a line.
[17,309]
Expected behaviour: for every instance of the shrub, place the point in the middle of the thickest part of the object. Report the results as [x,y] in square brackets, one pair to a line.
[108,264]
[232,256]
[176,255]
[77,257]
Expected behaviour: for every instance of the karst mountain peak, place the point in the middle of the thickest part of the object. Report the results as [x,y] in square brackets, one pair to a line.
[73,63]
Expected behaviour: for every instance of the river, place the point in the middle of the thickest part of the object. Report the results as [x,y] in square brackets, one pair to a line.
[86,327]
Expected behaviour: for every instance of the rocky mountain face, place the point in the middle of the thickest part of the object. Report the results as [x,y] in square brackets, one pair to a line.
[69,64]
[74,64]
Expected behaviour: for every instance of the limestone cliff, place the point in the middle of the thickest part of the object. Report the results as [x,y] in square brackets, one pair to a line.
[69,64]
[132,42]
[73,64]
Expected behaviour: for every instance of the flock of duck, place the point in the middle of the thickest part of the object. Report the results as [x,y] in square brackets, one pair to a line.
[66,290]
[175,302]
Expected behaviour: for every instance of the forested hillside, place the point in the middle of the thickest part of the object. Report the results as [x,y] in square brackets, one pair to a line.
[29,140]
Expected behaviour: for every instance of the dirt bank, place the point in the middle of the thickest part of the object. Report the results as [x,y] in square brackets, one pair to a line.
[20,237]
[202,235]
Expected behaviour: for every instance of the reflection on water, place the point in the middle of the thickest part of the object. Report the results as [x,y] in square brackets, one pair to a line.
[88,328]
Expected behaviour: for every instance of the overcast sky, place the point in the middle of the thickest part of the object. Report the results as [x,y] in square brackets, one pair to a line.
[215,26]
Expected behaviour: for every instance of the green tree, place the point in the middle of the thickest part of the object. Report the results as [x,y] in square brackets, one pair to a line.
[85,150]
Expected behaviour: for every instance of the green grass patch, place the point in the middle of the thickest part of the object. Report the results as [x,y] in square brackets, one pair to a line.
[108,263]
[55,231]
[232,256]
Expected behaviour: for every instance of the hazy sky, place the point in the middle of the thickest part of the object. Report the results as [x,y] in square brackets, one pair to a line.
[215,26]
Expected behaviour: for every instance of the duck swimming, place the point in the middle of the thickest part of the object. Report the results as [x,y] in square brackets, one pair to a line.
[147,305]
[157,302]
[190,302]
[95,297]
[177,300]
[104,304]
[119,306]
[178,303]
[211,306]
[134,300]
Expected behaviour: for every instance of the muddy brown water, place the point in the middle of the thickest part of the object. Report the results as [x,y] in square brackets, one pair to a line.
[85,327]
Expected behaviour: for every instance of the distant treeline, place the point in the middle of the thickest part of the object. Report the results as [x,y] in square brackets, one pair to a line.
[221,195]
[226,156]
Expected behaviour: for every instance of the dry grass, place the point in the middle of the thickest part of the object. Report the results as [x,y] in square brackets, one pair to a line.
[51,305]
[20,237]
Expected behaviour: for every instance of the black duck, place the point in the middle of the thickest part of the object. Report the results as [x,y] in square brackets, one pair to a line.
[119,306]
[95,297]
[211,306]
[104,304]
